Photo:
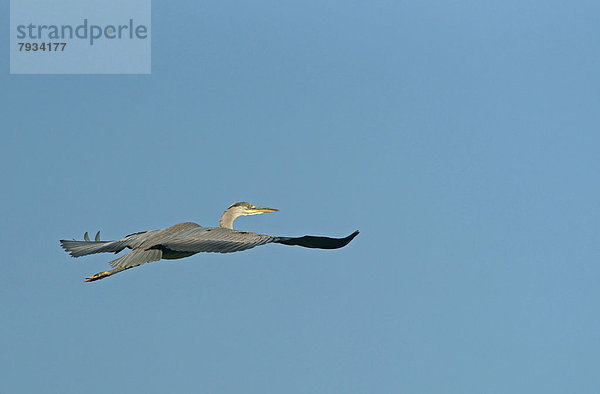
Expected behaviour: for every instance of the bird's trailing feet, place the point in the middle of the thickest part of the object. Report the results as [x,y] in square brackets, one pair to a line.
[99,275]
[104,274]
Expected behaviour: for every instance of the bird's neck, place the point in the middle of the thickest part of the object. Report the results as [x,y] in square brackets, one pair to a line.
[227,219]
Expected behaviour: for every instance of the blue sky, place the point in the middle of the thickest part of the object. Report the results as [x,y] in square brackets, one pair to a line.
[460,138]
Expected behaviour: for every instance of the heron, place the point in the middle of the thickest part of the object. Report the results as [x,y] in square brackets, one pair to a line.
[186,239]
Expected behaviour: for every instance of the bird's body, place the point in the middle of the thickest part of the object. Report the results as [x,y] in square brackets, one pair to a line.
[186,239]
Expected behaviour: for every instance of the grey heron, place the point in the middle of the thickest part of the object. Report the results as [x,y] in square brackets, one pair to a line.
[186,239]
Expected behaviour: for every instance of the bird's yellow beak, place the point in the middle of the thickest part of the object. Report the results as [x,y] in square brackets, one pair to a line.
[263,209]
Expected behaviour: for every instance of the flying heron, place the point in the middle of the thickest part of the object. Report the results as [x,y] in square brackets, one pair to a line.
[186,239]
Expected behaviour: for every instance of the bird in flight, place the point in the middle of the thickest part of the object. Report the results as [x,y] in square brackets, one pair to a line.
[186,239]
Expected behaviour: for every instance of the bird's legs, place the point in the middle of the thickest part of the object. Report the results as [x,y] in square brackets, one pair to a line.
[104,274]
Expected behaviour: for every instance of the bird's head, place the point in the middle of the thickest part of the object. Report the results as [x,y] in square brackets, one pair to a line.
[241,209]
[244,209]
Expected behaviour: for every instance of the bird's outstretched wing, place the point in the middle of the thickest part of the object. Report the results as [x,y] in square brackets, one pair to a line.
[216,240]
[222,240]
[136,257]
[311,241]
[85,247]
[132,259]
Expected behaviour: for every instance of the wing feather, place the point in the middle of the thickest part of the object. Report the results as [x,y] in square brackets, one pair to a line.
[311,241]
[136,257]
[216,240]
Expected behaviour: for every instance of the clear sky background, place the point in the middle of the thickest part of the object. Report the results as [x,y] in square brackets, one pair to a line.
[461,138]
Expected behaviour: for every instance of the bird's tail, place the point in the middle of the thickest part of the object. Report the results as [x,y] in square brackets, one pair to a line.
[85,247]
